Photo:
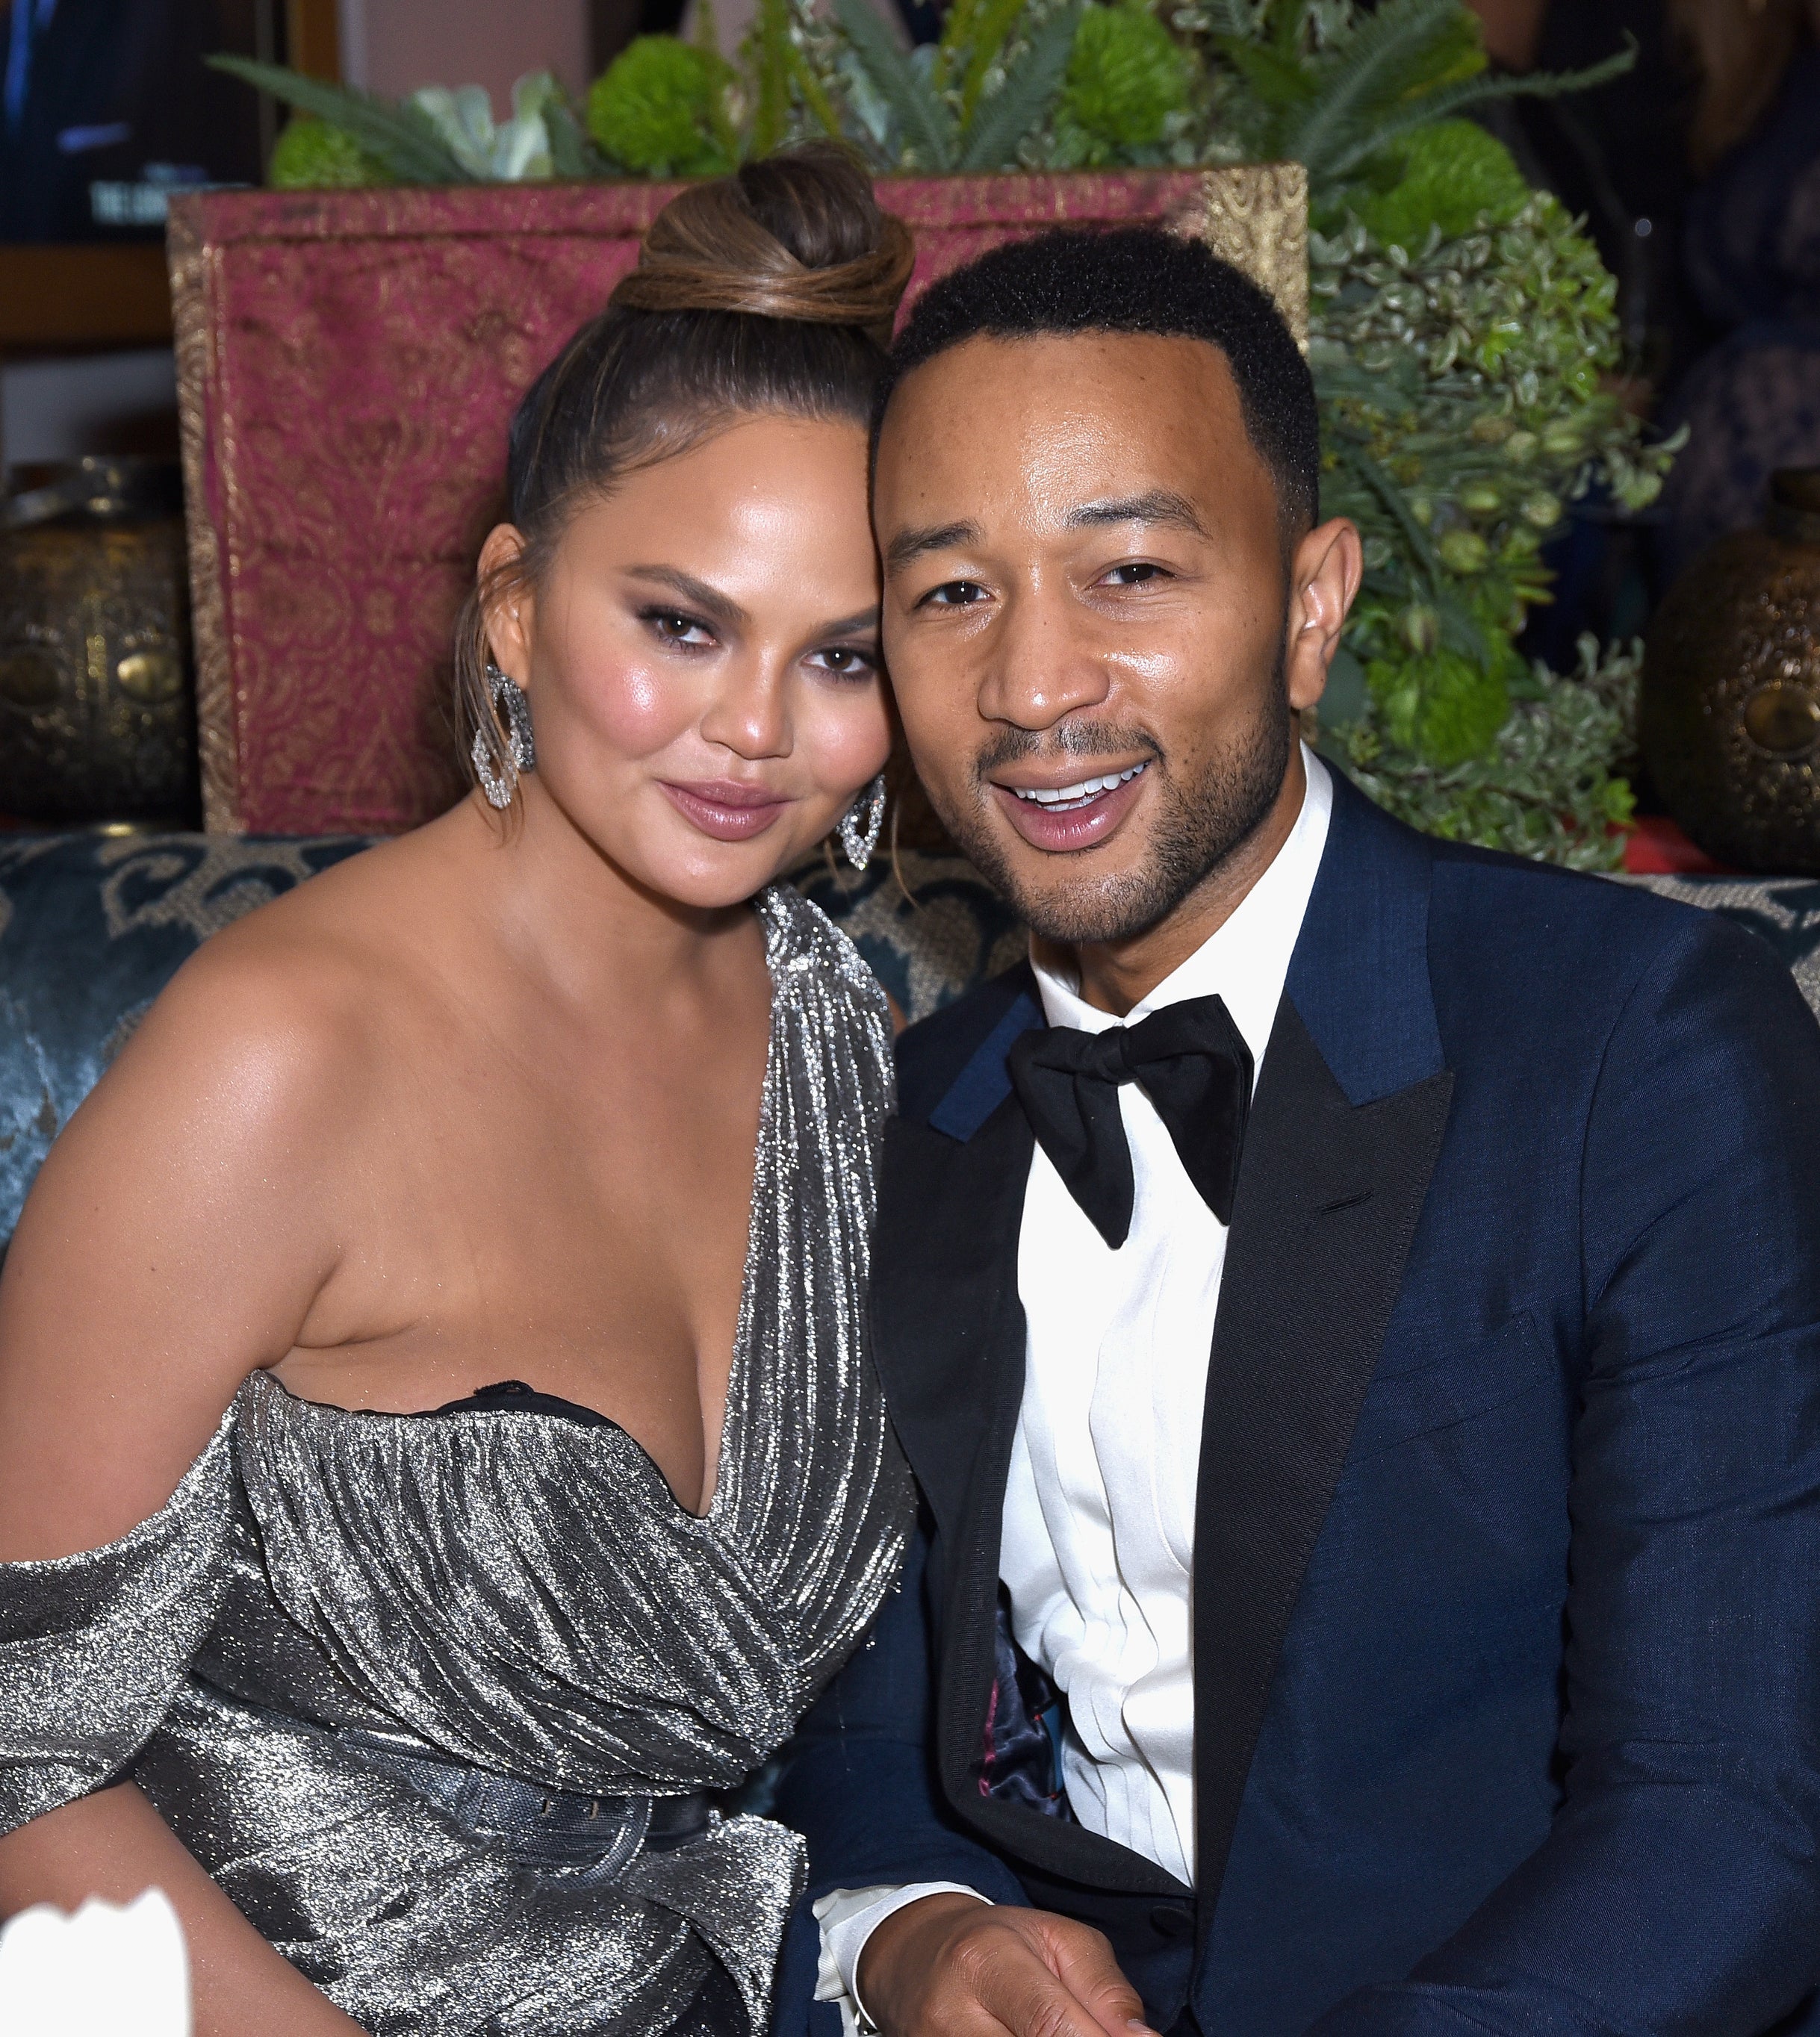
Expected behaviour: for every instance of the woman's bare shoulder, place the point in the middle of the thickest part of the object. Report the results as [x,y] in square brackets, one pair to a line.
[192,1210]
[299,990]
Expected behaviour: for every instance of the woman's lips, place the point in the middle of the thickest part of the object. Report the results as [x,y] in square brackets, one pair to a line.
[1058,831]
[724,811]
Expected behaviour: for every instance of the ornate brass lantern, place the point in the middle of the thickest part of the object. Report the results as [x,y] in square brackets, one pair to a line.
[1730,710]
[97,712]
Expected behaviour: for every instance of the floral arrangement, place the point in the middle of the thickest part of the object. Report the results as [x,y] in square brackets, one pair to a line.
[1462,330]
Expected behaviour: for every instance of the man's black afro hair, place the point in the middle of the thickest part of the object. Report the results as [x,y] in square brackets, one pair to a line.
[1140,279]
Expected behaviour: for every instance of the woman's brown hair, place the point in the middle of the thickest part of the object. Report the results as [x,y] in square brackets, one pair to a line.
[771,290]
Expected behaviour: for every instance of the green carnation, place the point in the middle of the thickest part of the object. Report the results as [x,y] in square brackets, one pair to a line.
[1126,76]
[659,110]
[1451,175]
[1441,705]
[310,155]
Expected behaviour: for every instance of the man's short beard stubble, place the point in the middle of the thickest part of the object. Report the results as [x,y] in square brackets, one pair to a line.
[1194,829]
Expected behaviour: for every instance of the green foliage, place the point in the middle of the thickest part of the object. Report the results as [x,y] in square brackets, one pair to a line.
[1440,704]
[1549,786]
[660,111]
[782,91]
[436,136]
[311,155]
[1126,78]
[1326,84]
[1448,180]
[401,137]
[1462,330]
[969,102]
[1463,406]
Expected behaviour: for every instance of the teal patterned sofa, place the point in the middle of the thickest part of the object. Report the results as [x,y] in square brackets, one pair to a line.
[93,925]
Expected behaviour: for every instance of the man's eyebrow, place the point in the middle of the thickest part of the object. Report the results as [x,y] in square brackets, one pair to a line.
[1156,505]
[908,545]
[717,606]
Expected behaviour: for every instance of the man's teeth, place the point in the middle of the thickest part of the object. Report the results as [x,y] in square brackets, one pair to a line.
[1078,795]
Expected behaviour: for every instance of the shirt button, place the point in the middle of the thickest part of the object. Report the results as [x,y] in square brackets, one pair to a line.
[1175,1920]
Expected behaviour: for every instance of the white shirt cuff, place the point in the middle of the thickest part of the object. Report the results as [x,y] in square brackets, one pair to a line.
[848,1917]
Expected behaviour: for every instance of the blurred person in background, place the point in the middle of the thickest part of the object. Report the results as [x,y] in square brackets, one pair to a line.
[1698,175]
[1751,259]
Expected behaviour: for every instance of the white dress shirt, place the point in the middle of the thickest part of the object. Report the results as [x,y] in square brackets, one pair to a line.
[1099,1530]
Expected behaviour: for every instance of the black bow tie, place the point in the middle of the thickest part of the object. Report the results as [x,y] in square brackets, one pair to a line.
[1188,1059]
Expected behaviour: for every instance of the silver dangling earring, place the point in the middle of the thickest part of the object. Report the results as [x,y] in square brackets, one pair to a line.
[520,749]
[859,824]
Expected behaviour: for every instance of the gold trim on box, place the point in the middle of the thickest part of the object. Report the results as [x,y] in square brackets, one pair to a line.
[190,260]
[1255,215]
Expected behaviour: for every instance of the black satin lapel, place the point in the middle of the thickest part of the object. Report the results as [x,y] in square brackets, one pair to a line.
[947,1326]
[949,1330]
[1326,1206]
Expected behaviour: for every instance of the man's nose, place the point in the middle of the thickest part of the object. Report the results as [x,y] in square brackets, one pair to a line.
[1041,665]
[750,715]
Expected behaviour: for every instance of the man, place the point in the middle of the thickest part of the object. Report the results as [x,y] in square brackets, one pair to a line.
[1352,1302]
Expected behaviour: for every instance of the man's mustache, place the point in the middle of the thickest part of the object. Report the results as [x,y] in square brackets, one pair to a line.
[1072,740]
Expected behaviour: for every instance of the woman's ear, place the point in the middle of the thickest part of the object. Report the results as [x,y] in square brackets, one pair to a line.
[1328,566]
[506,600]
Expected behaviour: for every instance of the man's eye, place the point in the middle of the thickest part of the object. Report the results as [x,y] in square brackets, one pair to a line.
[953,594]
[674,628]
[1136,574]
[845,661]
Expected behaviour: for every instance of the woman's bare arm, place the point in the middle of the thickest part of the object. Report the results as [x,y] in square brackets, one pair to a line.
[174,1241]
[116,1846]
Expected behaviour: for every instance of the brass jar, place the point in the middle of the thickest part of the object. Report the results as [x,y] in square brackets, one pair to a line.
[1730,719]
[97,708]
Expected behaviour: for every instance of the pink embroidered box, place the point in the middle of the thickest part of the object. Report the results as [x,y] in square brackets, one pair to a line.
[348,363]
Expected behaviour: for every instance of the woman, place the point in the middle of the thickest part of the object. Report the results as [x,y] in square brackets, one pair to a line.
[437,1448]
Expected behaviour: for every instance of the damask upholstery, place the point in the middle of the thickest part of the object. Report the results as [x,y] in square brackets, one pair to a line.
[93,925]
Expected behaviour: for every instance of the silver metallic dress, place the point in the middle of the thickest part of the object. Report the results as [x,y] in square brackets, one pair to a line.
[444,1702]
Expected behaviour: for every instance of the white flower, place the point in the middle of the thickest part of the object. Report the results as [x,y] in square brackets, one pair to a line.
[516,151]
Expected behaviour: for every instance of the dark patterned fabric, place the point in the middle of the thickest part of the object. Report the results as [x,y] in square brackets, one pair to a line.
[93,925]
[1752,403]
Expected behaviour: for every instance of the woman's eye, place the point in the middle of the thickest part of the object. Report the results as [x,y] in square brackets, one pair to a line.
[846,661]
[674,628]
[954,594]
[1136,574]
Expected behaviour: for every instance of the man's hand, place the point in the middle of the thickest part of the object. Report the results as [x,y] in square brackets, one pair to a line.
[949,1967]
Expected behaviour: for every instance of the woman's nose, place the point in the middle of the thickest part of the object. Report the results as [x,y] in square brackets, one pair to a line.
[1040,665]
[750,715]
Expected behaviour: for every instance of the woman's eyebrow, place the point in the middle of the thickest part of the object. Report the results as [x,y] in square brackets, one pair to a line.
[863,623]
[717,606]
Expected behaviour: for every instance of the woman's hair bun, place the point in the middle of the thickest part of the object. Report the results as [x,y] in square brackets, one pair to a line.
[798,235]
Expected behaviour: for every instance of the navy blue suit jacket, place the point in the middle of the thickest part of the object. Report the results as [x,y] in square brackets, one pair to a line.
[1506,1570]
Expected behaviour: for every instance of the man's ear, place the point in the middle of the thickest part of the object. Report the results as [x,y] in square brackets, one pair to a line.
[507,599]
[1324,578]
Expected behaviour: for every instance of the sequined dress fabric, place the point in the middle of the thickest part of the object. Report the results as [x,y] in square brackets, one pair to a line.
[436,1698]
